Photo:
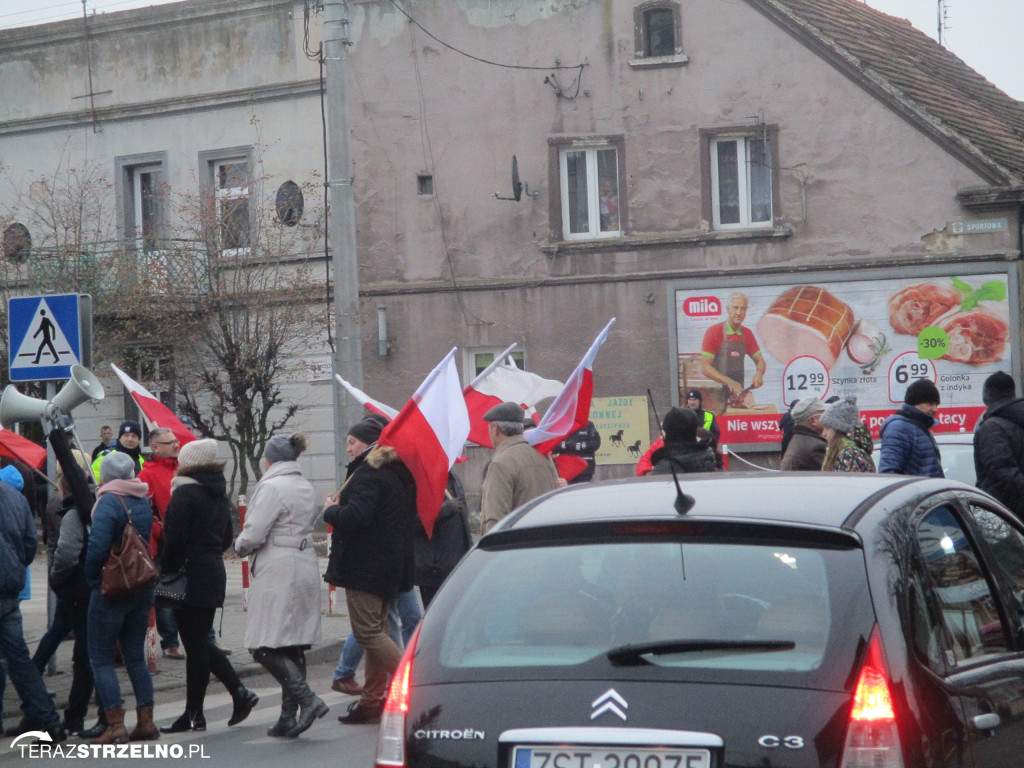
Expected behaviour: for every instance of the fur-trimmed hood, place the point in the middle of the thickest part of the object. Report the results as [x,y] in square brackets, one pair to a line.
[382,455]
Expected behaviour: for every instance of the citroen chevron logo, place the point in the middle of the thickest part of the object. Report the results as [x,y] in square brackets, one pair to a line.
[609,701]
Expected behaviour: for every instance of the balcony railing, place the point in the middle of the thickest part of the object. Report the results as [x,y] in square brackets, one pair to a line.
[114,270]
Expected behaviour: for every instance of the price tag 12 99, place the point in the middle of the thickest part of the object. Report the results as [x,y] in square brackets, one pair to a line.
[906,369]
[804,377]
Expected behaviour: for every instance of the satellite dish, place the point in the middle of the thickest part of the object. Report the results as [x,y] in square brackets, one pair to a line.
[517,185]
[17,241]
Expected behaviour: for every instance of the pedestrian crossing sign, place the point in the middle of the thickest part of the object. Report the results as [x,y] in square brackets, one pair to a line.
[44,337]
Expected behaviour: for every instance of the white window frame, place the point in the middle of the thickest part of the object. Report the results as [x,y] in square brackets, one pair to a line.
[227,195]
[593,192]
[145,241]
[743,176]
[469,360]
[144,235]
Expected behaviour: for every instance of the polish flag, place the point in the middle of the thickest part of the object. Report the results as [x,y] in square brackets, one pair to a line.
[502,382]
[428,435]
[14,446]
[157,414]
[571,409]
[374,406]
[569,466]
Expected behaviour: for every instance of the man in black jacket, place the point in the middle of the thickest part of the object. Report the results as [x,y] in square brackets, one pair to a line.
[18,544]
[999,443]
[372,558]
[584,442]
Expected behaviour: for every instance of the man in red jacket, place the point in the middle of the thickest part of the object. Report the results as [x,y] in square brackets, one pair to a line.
[157,473]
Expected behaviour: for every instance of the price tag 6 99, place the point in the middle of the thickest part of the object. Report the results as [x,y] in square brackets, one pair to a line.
[905,370]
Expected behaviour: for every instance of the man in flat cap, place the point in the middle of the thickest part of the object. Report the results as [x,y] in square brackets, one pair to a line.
[518,472]
[806,451]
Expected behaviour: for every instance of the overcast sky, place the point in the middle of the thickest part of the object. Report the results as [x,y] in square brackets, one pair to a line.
[984,33]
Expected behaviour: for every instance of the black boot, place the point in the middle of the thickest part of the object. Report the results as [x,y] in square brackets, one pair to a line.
[97,730]
[286,721]
[190,720]
[244,700]
[287,670]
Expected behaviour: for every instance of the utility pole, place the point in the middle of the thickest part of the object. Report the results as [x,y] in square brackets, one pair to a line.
[341,240]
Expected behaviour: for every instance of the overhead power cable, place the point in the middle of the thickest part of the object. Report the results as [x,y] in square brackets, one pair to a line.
[461,52]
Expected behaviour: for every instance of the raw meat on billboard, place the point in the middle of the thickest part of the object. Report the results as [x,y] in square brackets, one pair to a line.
[916,307]
[806,320]
[978,336]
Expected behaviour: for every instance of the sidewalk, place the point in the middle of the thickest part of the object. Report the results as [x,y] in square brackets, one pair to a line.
[170,674]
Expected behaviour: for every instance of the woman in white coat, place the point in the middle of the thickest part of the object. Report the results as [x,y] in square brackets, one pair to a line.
[283,618]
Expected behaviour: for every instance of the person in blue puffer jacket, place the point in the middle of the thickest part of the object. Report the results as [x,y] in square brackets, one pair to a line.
[908,447]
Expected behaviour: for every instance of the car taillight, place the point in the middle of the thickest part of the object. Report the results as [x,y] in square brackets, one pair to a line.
[391,738]
[872,740]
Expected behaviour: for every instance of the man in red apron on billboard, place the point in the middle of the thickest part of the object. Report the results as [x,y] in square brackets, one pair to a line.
[724,349]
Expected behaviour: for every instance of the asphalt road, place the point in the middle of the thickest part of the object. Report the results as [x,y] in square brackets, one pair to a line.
[246,745]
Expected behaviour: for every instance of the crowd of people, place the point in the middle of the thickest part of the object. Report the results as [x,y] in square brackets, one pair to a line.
[380,554]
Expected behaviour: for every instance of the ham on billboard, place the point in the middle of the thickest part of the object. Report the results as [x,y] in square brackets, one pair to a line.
[754,349]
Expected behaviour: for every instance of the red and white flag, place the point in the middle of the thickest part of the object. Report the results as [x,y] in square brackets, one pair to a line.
[156,413]
[571,409]
[374,406]
[429,433]
[14,446]
[502,382]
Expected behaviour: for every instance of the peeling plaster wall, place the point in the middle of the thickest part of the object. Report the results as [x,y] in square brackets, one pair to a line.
[874,185]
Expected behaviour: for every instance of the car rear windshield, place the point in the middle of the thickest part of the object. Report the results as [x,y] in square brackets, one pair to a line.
[694,604]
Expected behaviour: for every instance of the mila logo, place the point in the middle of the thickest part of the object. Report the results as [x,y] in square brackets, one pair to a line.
[702,306]
[609,701]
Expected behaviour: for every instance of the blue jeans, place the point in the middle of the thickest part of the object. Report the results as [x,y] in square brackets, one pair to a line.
[35,703]
[167,627]
[124,620]
[405,613]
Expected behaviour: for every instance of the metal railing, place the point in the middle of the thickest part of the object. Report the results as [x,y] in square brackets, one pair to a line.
[114,270]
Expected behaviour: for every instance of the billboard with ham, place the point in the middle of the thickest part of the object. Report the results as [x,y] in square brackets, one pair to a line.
[754,348]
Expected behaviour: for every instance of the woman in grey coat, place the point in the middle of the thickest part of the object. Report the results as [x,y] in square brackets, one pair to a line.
[283,617]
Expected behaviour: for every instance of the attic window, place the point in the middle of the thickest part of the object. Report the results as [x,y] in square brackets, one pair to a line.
[658,34]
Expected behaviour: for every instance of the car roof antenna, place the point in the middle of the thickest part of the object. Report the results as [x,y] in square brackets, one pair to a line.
[684,502]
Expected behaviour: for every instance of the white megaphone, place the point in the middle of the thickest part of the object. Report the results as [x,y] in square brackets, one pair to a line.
[82,386]
[16,407]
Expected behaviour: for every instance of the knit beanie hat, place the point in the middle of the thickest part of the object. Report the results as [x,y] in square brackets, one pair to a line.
[285,447]
[12,477]
[129,427]
[367,430]
[922,391]
[197,453]
[116,466]
[998,387]
[806,407]
[842,416]
[680,425]
[695,393]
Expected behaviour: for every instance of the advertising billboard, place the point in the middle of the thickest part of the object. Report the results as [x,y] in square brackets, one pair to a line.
[624,427]
[755,348]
